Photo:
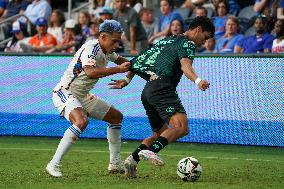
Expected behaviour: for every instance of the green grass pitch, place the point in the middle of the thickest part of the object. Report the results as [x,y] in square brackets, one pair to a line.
[23,161]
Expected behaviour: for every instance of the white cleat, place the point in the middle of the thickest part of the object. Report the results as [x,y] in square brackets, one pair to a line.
[130,167]
[53,170]
[151,156]
[116,167]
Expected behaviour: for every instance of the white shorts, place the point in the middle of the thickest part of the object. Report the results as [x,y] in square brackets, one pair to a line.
[93,106]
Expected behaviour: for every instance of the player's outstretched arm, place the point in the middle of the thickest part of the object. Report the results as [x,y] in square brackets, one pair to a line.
[95,73]
[186,67]
[119,84]
[120,60]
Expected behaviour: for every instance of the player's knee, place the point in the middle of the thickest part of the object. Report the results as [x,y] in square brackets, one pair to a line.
[82,123]
[116,118]
[181,129]
[185,130]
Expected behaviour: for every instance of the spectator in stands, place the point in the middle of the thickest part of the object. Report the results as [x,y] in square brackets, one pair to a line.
[176,27]
[79,36]
[222,8]
[150,24]
[258,43]
[69,39]
[269,8]
[280,10]
[94,31]
[278,43]
[135,35]
[56,22]
[42,41]
[20,35]
[167,9]
[233,5]
[200,11]
[3,4]
[227,43]
[37,9]
[192,4]
[209,46]
[84,20]
[105,14]
[96,8]
[14,7]
[136,5]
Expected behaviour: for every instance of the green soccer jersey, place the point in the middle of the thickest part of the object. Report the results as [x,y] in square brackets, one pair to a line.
[163,59]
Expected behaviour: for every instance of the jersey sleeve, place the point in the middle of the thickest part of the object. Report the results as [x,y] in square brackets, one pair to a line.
[186,49]
[88,55]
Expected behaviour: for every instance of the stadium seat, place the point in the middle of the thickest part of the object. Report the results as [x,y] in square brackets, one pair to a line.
[247,12]
[184,12]
[250,31]
[210,12]
[157,13]
[244,24]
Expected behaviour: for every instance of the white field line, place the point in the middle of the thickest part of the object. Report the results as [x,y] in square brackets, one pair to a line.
[170,155]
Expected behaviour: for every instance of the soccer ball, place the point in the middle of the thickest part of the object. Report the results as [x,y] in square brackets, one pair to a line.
[189,169]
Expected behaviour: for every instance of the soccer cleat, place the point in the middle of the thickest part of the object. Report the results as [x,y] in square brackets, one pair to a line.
[130,167]
[116,168]
[151,156]
[53,170]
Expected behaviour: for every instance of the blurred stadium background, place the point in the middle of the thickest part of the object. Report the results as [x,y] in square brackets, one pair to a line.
[243,106]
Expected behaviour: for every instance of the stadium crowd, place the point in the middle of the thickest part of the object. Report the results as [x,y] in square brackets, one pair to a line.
[255,26]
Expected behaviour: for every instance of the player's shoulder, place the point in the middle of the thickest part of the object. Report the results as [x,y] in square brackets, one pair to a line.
[92,47]
[185,42]
[92,43]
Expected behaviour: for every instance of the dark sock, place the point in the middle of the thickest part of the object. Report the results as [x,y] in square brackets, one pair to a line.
[135,153]
[159,144]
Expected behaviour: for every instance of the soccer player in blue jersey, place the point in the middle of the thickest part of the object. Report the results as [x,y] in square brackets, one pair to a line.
[73,99]
[162,67]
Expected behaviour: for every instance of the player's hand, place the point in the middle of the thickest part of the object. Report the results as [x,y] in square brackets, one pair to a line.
[124,67]
[203,85]
[151,40]
[117,84]
[133,52]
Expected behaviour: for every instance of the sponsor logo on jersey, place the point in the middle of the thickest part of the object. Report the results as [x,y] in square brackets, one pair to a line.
[91,56]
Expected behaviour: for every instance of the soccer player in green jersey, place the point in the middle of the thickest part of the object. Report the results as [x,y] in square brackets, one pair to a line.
[162,67]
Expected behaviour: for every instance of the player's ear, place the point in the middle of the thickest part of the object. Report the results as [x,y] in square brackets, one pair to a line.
[103,35]
[199,29]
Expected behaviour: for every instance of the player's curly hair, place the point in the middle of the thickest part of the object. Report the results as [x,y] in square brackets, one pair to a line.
[204,22]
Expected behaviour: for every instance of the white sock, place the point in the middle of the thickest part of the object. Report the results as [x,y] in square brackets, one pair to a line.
[114,141]
[69,137]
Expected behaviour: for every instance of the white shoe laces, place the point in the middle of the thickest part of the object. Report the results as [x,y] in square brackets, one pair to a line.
[56,168]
